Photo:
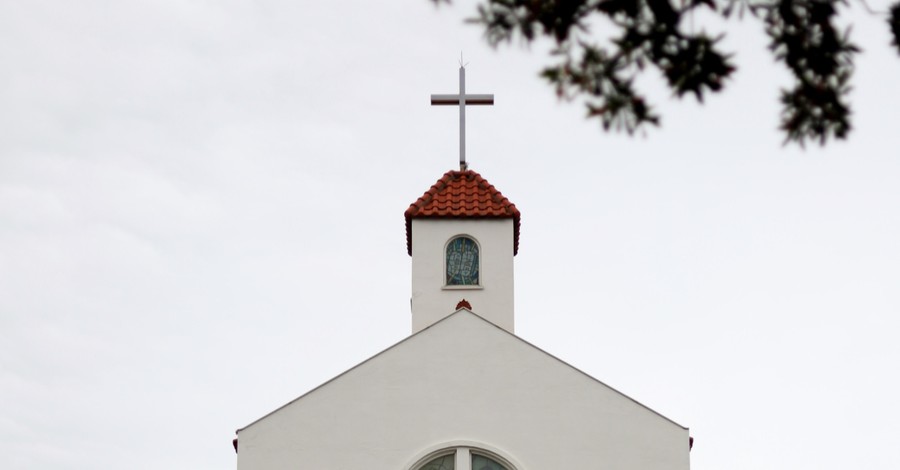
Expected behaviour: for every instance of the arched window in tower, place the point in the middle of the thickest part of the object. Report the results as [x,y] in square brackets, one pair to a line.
[462,262]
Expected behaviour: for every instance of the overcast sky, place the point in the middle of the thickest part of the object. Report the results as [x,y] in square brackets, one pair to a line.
[201,218]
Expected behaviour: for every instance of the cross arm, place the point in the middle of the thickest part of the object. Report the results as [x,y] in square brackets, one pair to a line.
[454,99]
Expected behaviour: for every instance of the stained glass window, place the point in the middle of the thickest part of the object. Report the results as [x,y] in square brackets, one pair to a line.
[462,262]
[480,462]
[444,462]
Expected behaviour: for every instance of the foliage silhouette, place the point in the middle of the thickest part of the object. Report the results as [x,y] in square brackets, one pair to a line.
[651,33]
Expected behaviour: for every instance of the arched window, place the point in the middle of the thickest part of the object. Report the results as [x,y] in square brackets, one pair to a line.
[462,262]
[464,458]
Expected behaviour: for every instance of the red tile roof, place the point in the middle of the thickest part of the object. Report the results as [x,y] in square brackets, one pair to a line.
[462,194]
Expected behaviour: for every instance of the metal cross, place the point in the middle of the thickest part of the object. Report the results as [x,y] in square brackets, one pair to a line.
[462,99]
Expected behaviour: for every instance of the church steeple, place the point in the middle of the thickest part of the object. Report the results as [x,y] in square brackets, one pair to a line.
[462,235]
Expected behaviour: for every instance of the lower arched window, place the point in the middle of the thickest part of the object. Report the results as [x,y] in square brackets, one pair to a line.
[444,462]
[481,462]
[464,458]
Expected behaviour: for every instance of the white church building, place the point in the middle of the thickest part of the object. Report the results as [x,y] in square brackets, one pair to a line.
[463,392]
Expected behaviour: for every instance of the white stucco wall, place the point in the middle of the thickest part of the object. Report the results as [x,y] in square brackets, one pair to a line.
[493,299]
[463,380]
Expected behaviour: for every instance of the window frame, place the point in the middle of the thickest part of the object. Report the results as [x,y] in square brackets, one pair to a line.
[444,257]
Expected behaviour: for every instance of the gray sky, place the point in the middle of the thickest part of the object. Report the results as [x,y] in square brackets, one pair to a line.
[201,218]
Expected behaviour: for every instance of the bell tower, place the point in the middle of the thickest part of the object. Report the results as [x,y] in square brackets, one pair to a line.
[462,235]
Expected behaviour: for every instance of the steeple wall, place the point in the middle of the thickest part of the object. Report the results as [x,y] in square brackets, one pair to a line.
[491,299]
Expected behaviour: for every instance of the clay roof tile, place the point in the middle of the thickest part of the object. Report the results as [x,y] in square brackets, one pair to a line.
[462,194]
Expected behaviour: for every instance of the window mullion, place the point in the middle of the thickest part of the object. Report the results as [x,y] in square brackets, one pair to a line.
[463,459]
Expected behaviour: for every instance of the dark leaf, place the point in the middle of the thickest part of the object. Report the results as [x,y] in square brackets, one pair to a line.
[894,22]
